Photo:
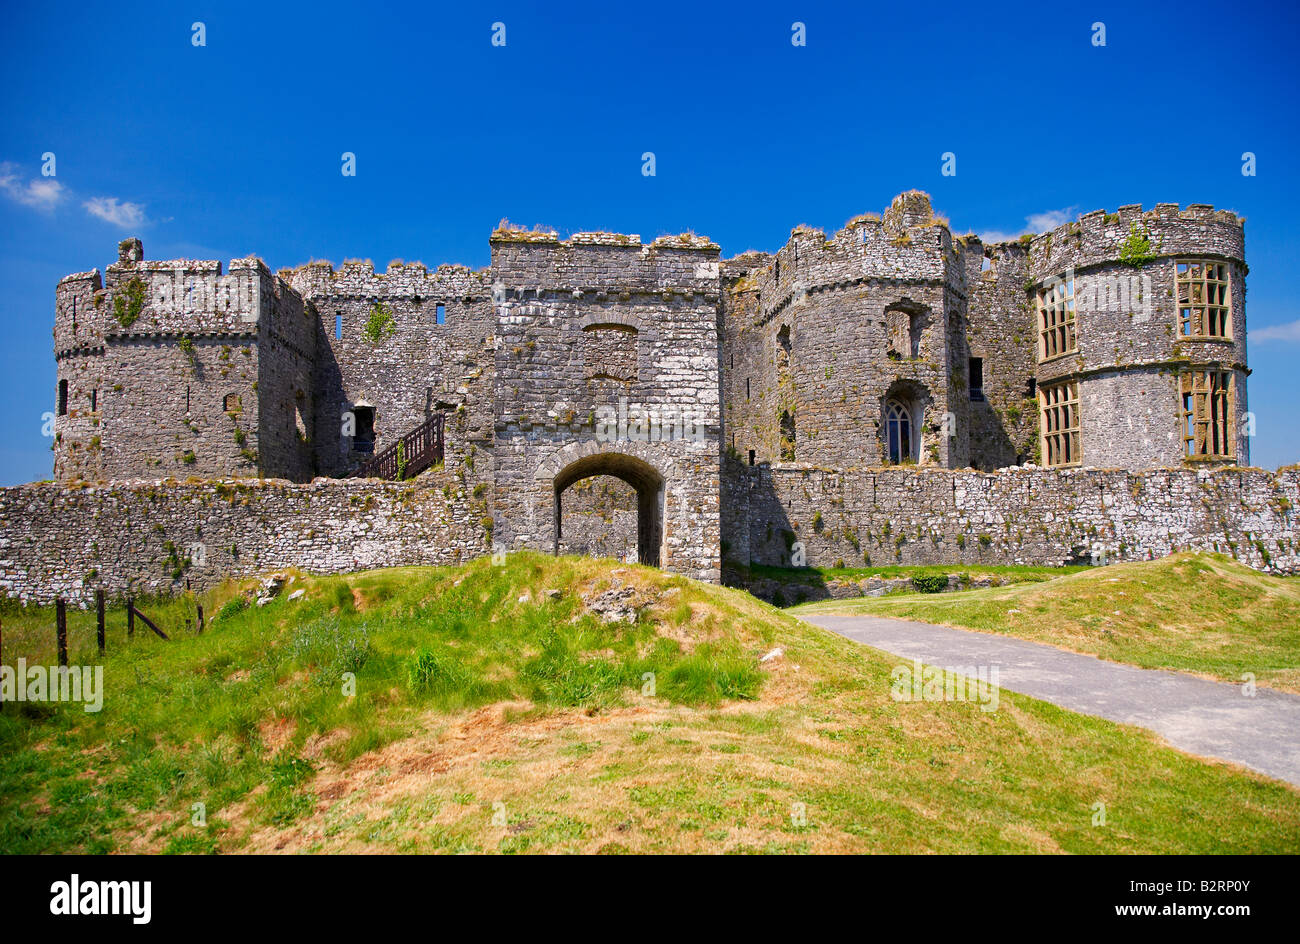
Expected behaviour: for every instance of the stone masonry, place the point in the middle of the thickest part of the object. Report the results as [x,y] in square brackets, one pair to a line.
[892,352]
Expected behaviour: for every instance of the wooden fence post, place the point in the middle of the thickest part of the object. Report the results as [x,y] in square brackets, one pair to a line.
[99,620]
[130,618]
[151,624]
[61,628]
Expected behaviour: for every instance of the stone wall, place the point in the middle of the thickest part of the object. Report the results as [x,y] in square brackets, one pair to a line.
[646,411]
[598,518]
[1000,331]
[414,368]
[1012,516]
[160,537]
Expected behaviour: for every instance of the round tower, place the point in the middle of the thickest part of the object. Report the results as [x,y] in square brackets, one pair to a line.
[1140,332]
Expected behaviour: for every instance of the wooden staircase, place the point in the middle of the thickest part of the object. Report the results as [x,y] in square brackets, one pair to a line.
[409,456]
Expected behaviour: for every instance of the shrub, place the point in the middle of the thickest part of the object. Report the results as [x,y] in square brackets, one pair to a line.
[1136,249]
[930,583]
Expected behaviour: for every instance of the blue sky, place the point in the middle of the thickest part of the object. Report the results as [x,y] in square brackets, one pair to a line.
[234,148]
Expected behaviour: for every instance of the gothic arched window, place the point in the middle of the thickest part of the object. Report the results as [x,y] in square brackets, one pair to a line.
[898,432]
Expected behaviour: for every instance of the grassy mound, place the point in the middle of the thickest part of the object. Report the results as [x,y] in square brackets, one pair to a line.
[1201,613]
[485,708]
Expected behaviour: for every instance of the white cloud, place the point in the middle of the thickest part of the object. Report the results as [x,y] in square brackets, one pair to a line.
[1282,332]
[41,193]
[1042,222]
[111,210]
[1036,223]
[997,236]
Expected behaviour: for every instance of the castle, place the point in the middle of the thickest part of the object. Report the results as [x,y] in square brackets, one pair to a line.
[691,386]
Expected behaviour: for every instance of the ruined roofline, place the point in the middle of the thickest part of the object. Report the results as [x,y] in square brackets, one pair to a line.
[366,267]
[506,233]
[1133,213]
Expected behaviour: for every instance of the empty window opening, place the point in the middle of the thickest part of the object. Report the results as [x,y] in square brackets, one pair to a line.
[1059,423]
[232,403]
[746,388]
[986,264]
[94,400]
[903,329]
[1207,413]
[187,398]
[63,398]
[1203,299]
[440,314]
[363,440]
[787,436]
[1031,386]
[338,327]
[977,378]
[751,457]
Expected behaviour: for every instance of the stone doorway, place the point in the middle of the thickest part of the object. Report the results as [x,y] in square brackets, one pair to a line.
[643,479]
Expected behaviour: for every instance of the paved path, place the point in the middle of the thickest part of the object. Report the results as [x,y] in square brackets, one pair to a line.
[1210,719]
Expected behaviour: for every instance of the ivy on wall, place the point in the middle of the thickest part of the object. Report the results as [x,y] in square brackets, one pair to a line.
[128,304]
[381,323]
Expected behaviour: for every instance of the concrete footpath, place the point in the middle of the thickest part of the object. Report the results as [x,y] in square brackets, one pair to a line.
[1210,719]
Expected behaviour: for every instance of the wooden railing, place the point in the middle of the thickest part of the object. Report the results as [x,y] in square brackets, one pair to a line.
[409,456]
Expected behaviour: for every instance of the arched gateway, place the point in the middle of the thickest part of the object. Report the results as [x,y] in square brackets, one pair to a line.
[641,476]
[675,485]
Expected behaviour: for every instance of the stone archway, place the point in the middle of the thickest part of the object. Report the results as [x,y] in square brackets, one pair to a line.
[641,476]
[677,498]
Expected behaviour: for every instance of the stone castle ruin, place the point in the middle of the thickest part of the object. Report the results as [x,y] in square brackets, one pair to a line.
[889,393]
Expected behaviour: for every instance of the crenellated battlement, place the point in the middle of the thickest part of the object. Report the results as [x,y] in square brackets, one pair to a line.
[907,244]
[358,279]
[1099,237]
[539,261]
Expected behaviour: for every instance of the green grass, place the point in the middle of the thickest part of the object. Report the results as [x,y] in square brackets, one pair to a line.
[483,722]
[1201,613]
[1005,574]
